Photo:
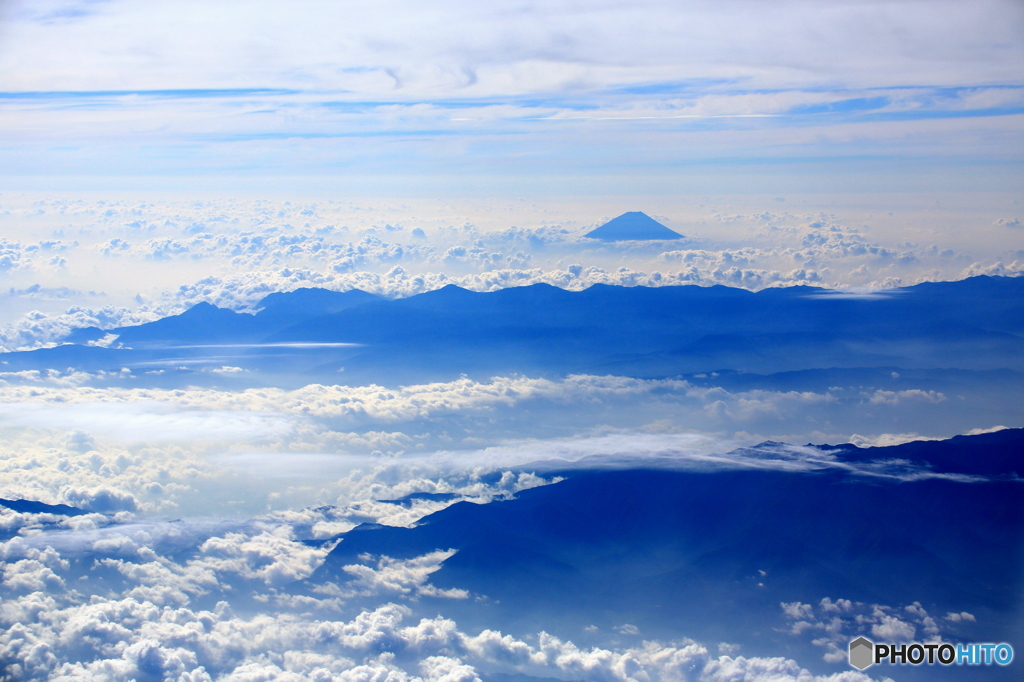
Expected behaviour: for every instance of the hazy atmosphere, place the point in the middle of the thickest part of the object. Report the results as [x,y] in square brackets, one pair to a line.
[309,369]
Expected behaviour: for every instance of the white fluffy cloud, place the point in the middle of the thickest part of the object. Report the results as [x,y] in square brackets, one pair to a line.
[113,449]
[258,412]
[205,644]
[128,637]
[832,624]
[408,577]
[36,329]
[259,247]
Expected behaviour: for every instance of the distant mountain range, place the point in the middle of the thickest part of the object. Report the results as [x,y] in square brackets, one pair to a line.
[310,334]
[34,507]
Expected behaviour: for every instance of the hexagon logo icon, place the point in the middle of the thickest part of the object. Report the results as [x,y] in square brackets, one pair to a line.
[862,653]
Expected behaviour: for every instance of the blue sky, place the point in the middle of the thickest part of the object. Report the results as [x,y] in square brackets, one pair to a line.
[536,99]
[130,129]
[137,135]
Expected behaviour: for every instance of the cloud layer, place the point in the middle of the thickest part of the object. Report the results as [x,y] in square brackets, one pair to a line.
[832,624]
[75,439]
[145,619]
[510,97]
[504,48]
[233,253]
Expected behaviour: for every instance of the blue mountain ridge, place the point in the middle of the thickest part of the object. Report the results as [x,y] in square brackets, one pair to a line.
[35,507]
[206,323]
[998,455]
[712,555]
[974,325]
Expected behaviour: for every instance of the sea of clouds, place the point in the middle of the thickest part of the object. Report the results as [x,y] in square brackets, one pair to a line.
[74,438]
[70,263]
[207,508]
[100,597]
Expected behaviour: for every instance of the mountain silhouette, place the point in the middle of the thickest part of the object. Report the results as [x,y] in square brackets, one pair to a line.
[633,226]
[34,507]
[975,325]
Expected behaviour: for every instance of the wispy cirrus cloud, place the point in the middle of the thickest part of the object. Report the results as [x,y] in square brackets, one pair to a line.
[449,86]
[504,47]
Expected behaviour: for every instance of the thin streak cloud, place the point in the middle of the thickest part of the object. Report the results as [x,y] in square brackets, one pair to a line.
[145,420]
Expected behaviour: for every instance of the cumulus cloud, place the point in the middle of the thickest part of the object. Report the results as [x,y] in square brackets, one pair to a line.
[886,439]
[115,449]
[256,410]
[31,405]
[996,269]
[831,624]
[895,397]
[963,616]
[36,329]
[15,256]
[126,638]
[273,556]
[155,613]
[102,499]
[403,577]
[30,575]
[259,248]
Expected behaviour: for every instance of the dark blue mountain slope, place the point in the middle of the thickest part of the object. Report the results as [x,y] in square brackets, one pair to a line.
[636,331]
[206,323]
[69,356]
[999,454]
[671,330]
[971,298]
[538,312]
[202,323]
[34,507]
[710,555]
[682,313]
